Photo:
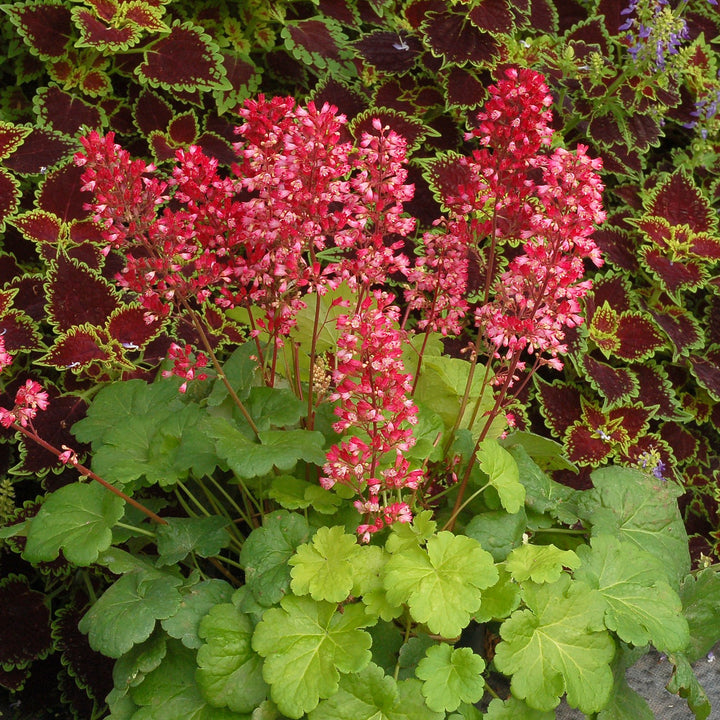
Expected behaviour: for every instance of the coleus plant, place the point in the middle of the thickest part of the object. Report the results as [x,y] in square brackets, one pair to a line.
[314,505]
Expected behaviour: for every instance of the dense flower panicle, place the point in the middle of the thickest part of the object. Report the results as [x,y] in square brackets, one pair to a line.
[5,356]
[184,365]
[373,389]
[29,398]
[438,281]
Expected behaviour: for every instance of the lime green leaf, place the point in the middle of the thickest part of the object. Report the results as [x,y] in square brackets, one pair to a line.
[76,519]
[625,703]
[404,535]
[503,474]
[540,563]
[442,584]
[498,531]
[196,603]
[640,608]
[642,510]
[205,536]
[557,645]
[239,370]
[330,308]
[547,453]
[229,672]
[684,683]
[372,695]
[274,407]
[293,493]
[170,692]
[515,709]
[700,596]
[277,448]
[324,568]
[427,432]
[499,600]
[266,552]
[125,614]
[368,574]
[451,677]
[306,645]
[466,712]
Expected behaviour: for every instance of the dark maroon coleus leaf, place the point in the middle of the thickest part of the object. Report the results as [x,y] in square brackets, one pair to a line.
[493,16]
[39,226]
[66,113]
[46,27]
[638,337]
[451,37]
[675,276]
[98,35]
[14,680]
[9,197]
[706,369]
[151,112]
[20,333]
[42,149]
[60,194]
[683,443]
[185,59]
[216,146]
[605,129]
[560,404]
[644,131]
[91,670]
[655,390]
[463,88]
[388,51]
[183,129]
[128,327]
[77,349]
[611,289]
[680,326]
[160,146]
[24,623]
[315,42]
[11,137]
[77,295]
[681,202]
[618,246]
[447,176]
[414,131]
[145,15]
[614,384]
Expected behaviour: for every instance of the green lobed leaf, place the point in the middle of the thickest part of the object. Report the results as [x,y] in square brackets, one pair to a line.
[306,645]
[540,563]
[229,671]
[293,493]
[240,370]
[684,683]
[640,607]
[372,695]
[196,603]
[700,596]
[441,584]
[625,703]
[324,568]
[266,552]
[515,709]
[126,613]
[404,535]
[503,474]
[451,676]
[76,519]
[205,536]
[132,668]
[274,407]
[643,510]
[498,531]
[368,574]
[557,645]
[499,600]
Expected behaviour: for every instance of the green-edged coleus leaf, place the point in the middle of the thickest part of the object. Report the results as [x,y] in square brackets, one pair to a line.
[170,691]
[266,552]
[641,607]
[557,645]
[684,331]
[706,370]
[229,671]
[628,335]
[615,384]
[677,199]
[68,308]
[493,16]
[560,404]
[442,583]
[618,246]
[372,695]
[446,173]
[41,150]
[324,568]
[306,645]
[655,390]
[197,601]
[641,509]
[450,677]
[76,519]
[244,78]
[184,59]
[24,623]
[205,536]
[126,613]
[128,326]
[540,563]
[61,194]
[318,42]
[463,87]
[46,27]
[388,51]
[413,130]
[101,37]
[11,137]
[77,349]
[39,227]
[451,37]
[9,197]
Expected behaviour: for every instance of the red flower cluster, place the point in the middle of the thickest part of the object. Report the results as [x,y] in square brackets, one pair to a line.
[29,398]
[373,389]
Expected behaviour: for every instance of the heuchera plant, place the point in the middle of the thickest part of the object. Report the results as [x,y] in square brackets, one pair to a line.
[320,507]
